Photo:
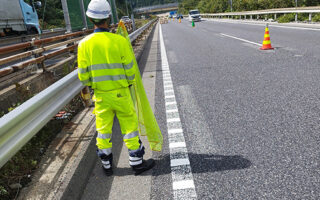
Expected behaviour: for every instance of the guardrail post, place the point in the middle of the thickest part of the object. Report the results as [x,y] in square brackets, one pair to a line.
[250,17]
[84,18]
[310,17]
[275,16]
[66,15]
[42,65]
[133,22]
[296,17]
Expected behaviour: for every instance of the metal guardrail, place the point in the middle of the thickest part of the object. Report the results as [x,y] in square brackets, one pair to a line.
[309,10]
[4,41]
[136,33]
[156,7]
[37,47]
[20,125]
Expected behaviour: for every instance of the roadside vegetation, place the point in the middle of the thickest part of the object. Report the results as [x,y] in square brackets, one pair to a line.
[18,171]
[220,6]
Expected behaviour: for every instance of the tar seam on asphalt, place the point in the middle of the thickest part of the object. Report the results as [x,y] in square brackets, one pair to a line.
[182,178]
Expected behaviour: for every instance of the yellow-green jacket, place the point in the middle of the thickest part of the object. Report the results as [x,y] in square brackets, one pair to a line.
[105,61]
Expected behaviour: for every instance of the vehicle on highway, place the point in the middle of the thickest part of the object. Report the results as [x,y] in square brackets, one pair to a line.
[179,16]
[173,14]
[126,19]
[19,16]
[194,15]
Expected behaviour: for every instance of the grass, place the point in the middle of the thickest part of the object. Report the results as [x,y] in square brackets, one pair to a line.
[140,22]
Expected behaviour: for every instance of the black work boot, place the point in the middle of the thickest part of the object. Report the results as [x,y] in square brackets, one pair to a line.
[106,162]
[144,166]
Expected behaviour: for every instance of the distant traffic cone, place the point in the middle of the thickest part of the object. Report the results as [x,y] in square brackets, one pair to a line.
[266,44]
[192,24]
[179,20]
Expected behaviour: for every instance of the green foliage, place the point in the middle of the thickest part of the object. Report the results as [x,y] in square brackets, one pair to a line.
[316,18]
[3,191]
[286,18]
[291,17]
[51,13]
[218,6]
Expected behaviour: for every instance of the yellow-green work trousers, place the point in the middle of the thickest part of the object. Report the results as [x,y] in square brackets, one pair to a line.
[107,105]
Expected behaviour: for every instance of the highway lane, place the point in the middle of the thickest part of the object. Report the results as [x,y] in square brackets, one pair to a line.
[250,117]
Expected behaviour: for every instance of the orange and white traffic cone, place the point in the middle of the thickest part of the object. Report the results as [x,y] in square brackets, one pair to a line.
[266,44]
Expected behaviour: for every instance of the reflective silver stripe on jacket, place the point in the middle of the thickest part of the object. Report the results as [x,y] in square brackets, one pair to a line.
[130,77]
[108,78]
[131,135]
[128,66]
[105,66]
[104,136]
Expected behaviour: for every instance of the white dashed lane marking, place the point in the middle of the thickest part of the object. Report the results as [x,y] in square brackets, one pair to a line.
[183,187]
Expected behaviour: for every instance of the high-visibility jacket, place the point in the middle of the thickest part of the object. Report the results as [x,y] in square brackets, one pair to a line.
[105,61]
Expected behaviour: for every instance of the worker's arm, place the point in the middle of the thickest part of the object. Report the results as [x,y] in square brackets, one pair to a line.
[83,71]
[128,63]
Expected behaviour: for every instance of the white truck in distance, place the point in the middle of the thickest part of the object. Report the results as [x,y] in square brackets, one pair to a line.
[194,15]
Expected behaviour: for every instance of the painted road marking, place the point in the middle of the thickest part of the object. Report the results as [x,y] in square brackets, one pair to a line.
[271,25]
[171,103]
[173,131]
[172,111]
[170,96]
[179,162]
[177,145]
[179,185]
[173,119]
[230,36]
[182,189]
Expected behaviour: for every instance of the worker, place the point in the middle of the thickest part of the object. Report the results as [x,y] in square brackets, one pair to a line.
[105,63]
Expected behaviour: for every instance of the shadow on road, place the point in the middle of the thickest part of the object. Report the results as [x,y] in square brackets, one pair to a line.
[200,163]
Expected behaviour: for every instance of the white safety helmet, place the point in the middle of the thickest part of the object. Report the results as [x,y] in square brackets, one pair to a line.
[98,9]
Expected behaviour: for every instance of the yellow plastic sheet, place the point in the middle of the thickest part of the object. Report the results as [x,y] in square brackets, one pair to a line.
[147,122]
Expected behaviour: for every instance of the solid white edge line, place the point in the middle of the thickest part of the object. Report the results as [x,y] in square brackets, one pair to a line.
[170,96]
[179,162]
[180,185]
[172,111]
[241,39]
[171,103]
[177,145]
[173,131]
[173,120]
[186,184]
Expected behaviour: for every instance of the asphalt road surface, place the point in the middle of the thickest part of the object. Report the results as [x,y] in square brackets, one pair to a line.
[250,118]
